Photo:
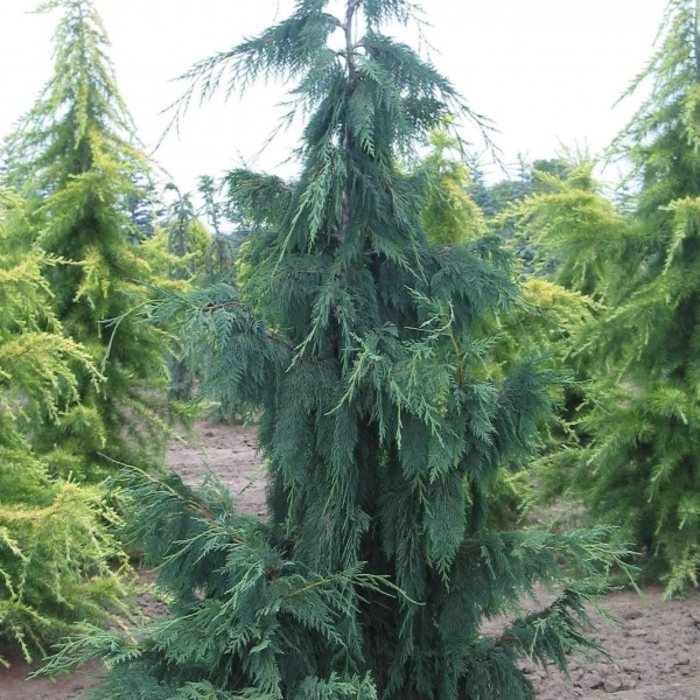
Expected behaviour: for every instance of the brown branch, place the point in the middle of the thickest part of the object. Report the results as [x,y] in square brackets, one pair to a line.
[507,639]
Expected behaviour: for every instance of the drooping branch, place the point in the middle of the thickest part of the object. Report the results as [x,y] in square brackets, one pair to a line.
[234,303]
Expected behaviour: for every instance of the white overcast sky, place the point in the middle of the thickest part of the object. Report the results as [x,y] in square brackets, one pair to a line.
[547,72]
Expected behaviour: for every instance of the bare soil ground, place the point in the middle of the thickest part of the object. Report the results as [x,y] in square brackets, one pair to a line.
[655,644]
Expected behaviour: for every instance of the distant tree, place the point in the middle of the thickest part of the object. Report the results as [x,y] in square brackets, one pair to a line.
[142,208]
[202,246]
[229,231]
[578,235]
[496,200]
[450,214]
[377,567]
[177,242]
[75,161]
[515,187]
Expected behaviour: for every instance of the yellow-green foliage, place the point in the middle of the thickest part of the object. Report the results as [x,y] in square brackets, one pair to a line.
[449,213]
[574,227]
[546,321]
[545,325]
[75,160]
[57,554]
[173,269]
[639,464]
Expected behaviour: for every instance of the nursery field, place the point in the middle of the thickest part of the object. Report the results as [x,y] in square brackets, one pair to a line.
[655,644]
[412,338]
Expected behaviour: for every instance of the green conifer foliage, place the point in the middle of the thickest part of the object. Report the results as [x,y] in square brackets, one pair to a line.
[58,561]
[641,468]
[578,233]
[197,257]
[74,160]
[649,473]
[379,419]
[579,238]
[543,321]
[450,214]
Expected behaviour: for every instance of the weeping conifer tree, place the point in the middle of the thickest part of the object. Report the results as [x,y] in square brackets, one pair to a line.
[74,159]
[642,468]
[382,430]
[60,566]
